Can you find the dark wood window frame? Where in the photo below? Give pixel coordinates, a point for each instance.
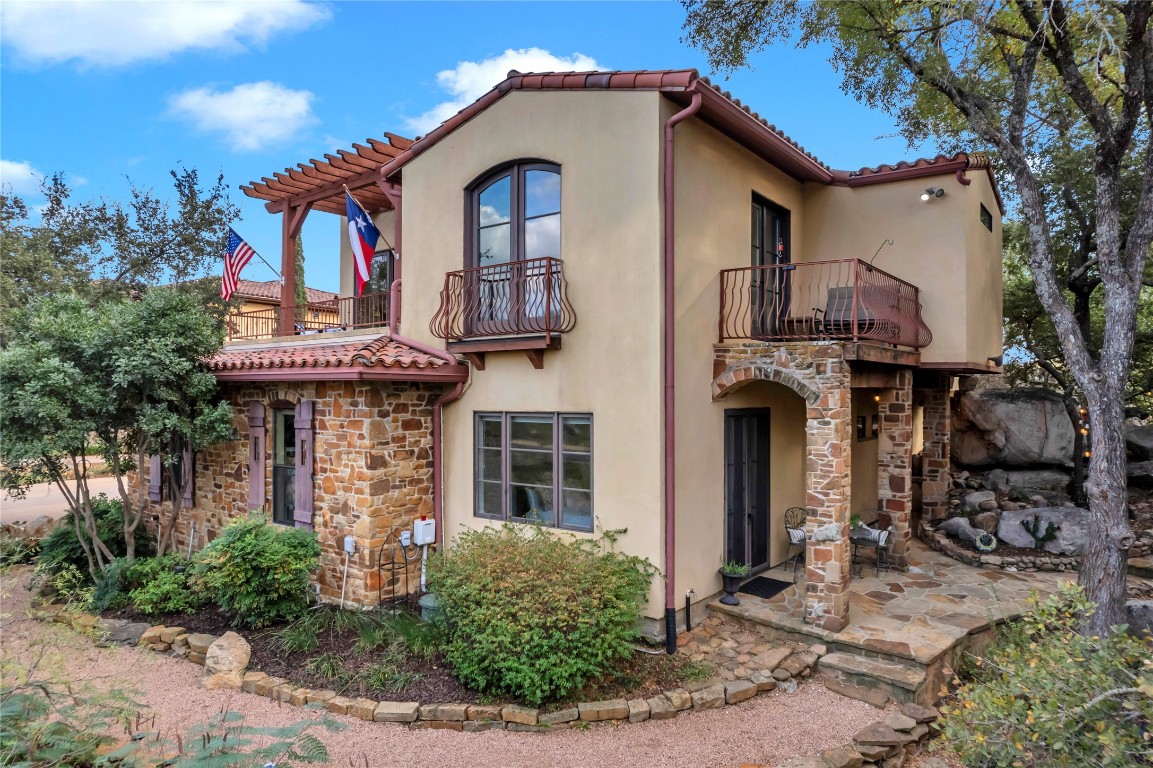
(516, 170)
(558, 457)
(283, 475)
(769, 254)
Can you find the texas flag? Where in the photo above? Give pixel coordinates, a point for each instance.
(362, 236)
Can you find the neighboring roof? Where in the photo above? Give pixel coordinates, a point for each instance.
(322, 182)
(270, 290)
(718, 108)
(364, 356)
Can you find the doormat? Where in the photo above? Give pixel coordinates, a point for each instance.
(763, 586)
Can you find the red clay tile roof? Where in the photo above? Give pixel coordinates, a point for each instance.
(921, 167)
(719, 108)
(270, 290)
(341, 358)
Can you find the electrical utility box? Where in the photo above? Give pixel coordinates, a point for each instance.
(423, 532)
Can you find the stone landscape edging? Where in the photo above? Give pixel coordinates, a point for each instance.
(1043, 561)
(180, 643)
(887, 742)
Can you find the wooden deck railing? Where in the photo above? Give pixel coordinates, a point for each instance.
(342, 314)
(512, 299)
(844, 299)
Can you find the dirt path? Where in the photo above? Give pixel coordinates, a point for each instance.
(766, 730)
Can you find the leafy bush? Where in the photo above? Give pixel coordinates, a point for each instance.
(257, 572)
(110, 592)
(156, 586)
(16, 550)
(535, 616)
(61, 547)
(68, 584)
(1047, 695)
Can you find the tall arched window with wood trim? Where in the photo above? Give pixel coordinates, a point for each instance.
(513, 247)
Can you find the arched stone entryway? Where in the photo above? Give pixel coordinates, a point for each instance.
(818, 373)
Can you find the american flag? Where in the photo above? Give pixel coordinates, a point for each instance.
(239, 254)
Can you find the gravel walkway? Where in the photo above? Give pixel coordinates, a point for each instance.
(768, 729)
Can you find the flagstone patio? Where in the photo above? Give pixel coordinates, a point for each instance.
(924, 618)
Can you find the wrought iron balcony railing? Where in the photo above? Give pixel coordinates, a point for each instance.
(517, 298)
(342, 314)
(844, 299)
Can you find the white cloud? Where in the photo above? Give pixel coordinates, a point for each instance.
(19, 178)
(251, 115)
(469, 80)
(116, 33)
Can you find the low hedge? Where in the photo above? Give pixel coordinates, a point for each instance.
(535, 615)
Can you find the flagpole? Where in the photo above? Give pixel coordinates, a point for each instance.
(369, 215)
(257, 254)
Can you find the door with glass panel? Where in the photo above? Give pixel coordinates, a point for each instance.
(514, 286)
(284, 467)
(771, 288)
(747, 487)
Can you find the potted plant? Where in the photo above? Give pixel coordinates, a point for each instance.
(731, 574)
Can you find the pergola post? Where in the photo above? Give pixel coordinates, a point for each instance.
(291, 224)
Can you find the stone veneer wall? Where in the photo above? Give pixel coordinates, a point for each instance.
(894, 463)
(373, 475)
(818, 372)
(935, 456)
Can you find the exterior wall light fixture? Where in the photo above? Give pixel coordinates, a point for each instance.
(932, 192)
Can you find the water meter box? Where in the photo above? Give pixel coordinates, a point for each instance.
(423, 532)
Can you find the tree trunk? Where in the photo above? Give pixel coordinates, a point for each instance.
(1077, 484)
(1106, 557)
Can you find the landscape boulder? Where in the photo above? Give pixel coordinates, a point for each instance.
(1139, 442)
(1072, 522)
(1029, 480)
(960, 529)
(986, 521)
(1140, 474)
(1011, 428)
(1140, 617)
(225, 662)
(972, 502)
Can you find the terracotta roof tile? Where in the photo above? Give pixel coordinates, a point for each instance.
(358, 353)
(270, 289)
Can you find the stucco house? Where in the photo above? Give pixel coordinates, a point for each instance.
(617, 300)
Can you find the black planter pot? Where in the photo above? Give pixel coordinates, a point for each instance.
(731, 583)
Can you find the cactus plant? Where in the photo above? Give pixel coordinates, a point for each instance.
(1035, 530)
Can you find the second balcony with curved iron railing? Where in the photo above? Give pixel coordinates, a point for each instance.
(516, 298)
(840, 299)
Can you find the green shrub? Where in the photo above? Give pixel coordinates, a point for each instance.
(156, 586)
(110, 593)
(16, 550)
(61, 547)
(533, 615)
(257, 572)
(1046, 695)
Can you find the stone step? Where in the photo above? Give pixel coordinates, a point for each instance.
(874, 680)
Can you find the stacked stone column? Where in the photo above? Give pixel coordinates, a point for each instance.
(895, 463)
(828, 456)
(935, 455)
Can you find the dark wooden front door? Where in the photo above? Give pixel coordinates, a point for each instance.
(747, 487)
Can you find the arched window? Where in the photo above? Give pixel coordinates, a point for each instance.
(514, 215)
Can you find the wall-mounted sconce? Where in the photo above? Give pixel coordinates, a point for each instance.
(998, 361)
(932, 192)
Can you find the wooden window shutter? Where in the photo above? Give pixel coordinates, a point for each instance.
(188, 467)
(256, 455)
(154, 477)
(304, 446)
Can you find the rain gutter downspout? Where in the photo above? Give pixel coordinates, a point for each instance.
(668, 343)
(392, 191)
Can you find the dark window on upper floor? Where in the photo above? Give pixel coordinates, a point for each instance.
(514, 214)
(770, 234)
(986, 218)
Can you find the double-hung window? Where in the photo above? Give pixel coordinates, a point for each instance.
(535, 467)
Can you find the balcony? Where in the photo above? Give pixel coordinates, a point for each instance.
(845, 300)
(519, 305)
(342, 314)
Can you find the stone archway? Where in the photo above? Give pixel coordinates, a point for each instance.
(818, 372)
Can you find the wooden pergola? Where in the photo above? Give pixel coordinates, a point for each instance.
(319, 185)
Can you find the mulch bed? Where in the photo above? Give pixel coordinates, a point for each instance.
(640, 676)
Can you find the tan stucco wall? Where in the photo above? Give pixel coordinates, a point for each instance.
(864, 466)
(607, 146)
(940, 246)
(715, 180)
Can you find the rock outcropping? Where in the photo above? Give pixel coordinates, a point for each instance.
(1011, 428)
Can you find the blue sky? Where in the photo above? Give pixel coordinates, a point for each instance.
(105, 91)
